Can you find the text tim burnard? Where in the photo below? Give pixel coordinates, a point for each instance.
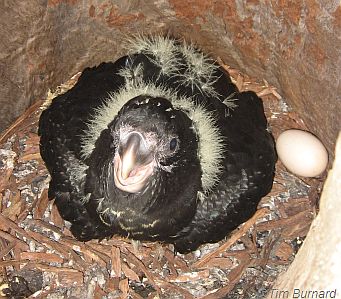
(299, 293)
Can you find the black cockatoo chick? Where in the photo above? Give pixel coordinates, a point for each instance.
(159, 145)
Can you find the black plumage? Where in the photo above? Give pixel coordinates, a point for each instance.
(159, 145)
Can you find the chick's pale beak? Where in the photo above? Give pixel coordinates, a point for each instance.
(133, 164)
(129, 156)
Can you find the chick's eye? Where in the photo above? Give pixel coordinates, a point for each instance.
(172, 144)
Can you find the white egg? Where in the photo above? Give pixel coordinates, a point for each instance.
(302, 153)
